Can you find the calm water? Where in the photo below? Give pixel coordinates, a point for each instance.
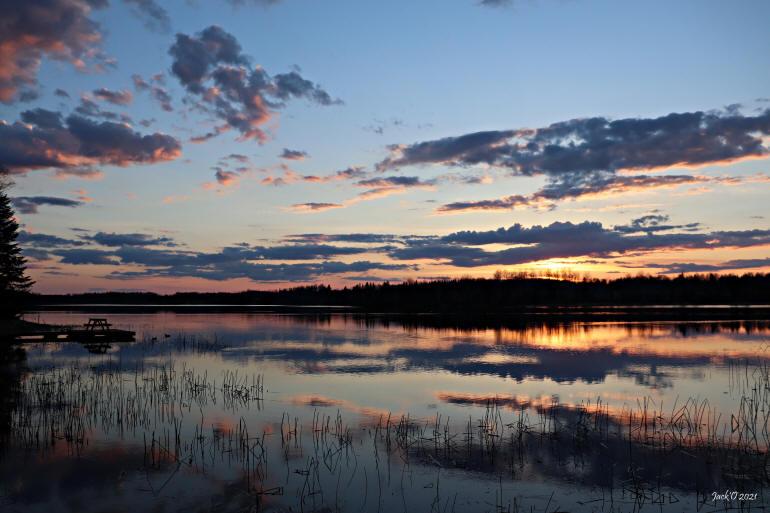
(267, 412)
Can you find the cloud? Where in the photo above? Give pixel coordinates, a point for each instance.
(85, 256)
(265, 3)
(291, 85)
(237, 157)
(474, 148)
(594, 184)
(232, 262)
(315, 207)
(495, 3)
(306, 257)
(223, 82)
(121, 97)
(44, 240)
(128, 239)
(379, 126)
(174, 198)
(264, 272)
(581, 157)
(301, 252)
(377, 187)
(42, 118)
(600, 144)
(218, 130)
(654, 223)
(564, 240)
(78, 142)
(153, 16)
(395, 181)
(365, 238)
(90, 108)
(83, 173)
(575, 185)
(83, 196)
(30, 204)
(226, 178)
(289, 176)
(33, 29)
(156, 88)
(350, 173)
(504, 203)
(387, 186)
(293, 154)
(730, 265)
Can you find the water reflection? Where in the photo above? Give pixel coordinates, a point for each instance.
(298, 411)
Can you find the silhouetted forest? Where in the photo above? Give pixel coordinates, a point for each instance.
(504, 293)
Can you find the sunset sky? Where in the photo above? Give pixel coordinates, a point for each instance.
(233, 144)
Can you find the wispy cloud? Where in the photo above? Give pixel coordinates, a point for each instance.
(121, 97)
(315, 207)
(599, 185)
(156, 87)
(153, 16)
(729, 265)
(31, 204)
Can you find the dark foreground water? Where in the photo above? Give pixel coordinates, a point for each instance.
(268, 412)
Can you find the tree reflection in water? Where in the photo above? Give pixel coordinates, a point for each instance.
(302, 414)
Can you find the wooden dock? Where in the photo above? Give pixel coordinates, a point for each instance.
(96, 330)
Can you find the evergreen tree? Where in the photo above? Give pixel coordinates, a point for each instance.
(14, 283)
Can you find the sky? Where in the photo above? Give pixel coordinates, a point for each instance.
(224, 145)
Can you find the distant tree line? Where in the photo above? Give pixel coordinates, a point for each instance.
(505, 292)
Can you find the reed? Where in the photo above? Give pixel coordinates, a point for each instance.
(641, 455)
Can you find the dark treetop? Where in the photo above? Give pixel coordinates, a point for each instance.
(14, 284)
(508, 293)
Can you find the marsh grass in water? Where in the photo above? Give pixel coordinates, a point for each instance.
(221, 439)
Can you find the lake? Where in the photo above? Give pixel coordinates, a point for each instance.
(238, 411)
